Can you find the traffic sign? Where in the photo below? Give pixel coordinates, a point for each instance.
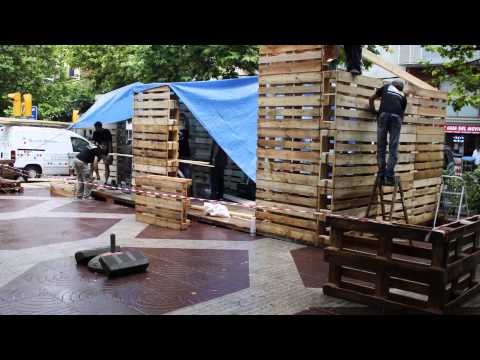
(34, 112)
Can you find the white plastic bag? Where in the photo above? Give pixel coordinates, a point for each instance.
(217, 210)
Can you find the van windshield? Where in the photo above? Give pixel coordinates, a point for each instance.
(78, 144)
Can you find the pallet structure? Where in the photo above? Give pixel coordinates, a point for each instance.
(10, 186)
(403, 266)
(155, 133)
(164, 211)
(233, 177)
(317, 145)
(200, 143)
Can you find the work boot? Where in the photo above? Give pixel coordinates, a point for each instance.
(389, 181)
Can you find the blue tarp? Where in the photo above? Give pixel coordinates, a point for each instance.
(227, 109)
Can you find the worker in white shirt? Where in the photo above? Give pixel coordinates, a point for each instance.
(476, 157)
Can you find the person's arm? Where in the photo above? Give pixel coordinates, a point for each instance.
(371, 99)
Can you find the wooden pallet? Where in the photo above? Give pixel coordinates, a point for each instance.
(403, 266)
(62, 189)
(155, 133)
(10, 186)
(162, 211)
(290, 142)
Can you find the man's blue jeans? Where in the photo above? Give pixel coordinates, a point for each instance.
(391, 124)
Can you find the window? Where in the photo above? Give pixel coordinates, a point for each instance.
(78, 144)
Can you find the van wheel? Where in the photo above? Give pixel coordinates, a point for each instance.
(33, 171)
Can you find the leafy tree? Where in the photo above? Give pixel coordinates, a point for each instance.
(41, 71)
(461, 69)
(113, 66)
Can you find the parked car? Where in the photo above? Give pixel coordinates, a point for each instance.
(40, 151)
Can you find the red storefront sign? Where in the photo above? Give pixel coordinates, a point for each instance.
(462, 129)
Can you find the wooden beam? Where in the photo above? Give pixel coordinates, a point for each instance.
(396, 70)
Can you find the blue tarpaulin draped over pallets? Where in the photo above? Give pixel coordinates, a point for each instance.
(227, 109)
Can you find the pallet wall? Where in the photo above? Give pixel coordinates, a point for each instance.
(317, 144)
(289, 141)
(155, 133)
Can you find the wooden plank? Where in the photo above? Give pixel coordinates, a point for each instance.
(290, 101)
(165, 121)
(304, 190)
(285, 198)
(396, 70)
(287, 220)
(288, 133)
(344, 76)
(156, 145)
(287, 209)
(291, 67)
(280, 49)
(277, 112)
(352, 125)
(308, 55)
(154, 220)
(288, 124)
(152, 96)
(303, 78)
(280, 166)
(299, 179)
(275, 90)
(159, 202)
(162, 213)
(288, 155)
(298, 145)
(264, 227)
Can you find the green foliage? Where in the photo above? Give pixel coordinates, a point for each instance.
(110, 66)
(472, 188)
(472, 184)
(461, 70)
(41, 71)
(366, 64)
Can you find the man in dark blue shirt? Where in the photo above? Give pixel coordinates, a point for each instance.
(389, 121)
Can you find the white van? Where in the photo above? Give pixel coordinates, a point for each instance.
(40, 150)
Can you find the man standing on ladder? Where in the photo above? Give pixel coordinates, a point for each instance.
(389, 120)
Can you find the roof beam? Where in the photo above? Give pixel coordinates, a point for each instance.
(396, 70)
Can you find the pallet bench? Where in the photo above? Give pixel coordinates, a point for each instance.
(402, 266)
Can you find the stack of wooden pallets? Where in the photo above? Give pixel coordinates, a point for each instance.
(289, 141)
(233, 177)
(317, 147)
(165, 211)
(155, 133)
(10, 186)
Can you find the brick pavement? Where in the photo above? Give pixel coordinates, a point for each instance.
(188, 275)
